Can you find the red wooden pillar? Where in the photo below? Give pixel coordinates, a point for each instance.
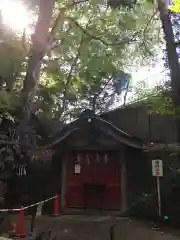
(63, 184)
(123, 181)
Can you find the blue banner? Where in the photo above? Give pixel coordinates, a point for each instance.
(123, 80)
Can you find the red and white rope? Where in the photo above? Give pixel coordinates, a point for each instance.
(26, 207)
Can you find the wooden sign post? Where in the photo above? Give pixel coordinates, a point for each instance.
(157, 171)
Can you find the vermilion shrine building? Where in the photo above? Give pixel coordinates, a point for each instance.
(107, 162)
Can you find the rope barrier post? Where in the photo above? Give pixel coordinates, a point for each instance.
(17, 230)
(20, 225)
(34, 212)
(39, 210)
(56, 205)
(112, 229)
(111, 232)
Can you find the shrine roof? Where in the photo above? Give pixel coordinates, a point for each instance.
(89, 122)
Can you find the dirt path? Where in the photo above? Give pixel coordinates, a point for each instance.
(97, 228)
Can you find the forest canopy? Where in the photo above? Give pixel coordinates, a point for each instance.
(92, 50)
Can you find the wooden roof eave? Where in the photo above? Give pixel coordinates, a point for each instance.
(117, 134)
(122, 139)
(106, 127)
(171, 147)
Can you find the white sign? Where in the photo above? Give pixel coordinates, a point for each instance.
(157, 168)
(77, 169)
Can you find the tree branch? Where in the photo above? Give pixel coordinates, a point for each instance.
(60, 16)
(144, 31)
(78, 2)
(71, 70)
(126, 40)
(70, 74)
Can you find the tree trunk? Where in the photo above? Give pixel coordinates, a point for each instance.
(172, 56)
(38, 50)
(171, 51)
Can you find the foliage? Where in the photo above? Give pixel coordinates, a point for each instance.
(160, 104)
(157, 100)
(175, 7)
(93, 44)
(175, 19)
(12, 54)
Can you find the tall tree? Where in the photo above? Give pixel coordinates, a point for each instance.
(172, 55)
(39, 47)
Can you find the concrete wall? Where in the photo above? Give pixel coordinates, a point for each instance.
(163, 128)
(144, 125)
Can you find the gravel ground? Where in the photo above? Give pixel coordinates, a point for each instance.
(97, 228)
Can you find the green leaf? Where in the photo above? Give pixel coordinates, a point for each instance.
(175, 7)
